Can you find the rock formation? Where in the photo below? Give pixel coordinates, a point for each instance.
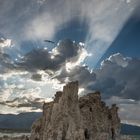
(70, 118)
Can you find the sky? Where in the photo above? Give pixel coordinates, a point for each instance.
(96, 43)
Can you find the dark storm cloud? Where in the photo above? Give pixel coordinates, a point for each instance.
(6, 63)
(80, 73)
(56, 61)
(36, 77)
(119, 76)
(36, 60)
(41, 59)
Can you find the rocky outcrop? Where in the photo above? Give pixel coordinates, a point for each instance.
(70, 118)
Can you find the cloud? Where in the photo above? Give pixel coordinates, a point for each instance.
(41, 27)
(36, 77)
(129, 110)
(128, 1)
(41, 70)
(6, 63)
(64, 64)
(24, 83)
(15, 110)
(119, 76)
(26, 102)
(118, 80)
(41, 19)
(130, 113)
(65, 52)
(80, 73)
(5, 43)
(20, 94)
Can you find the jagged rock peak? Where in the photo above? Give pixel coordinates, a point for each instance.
(70, 118)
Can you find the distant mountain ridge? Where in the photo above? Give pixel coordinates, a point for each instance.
(21, 121)
(130, 129)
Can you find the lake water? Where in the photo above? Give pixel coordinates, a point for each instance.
(13, 134)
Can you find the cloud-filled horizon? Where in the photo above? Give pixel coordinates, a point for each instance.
(29, 81)
(32, 70)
